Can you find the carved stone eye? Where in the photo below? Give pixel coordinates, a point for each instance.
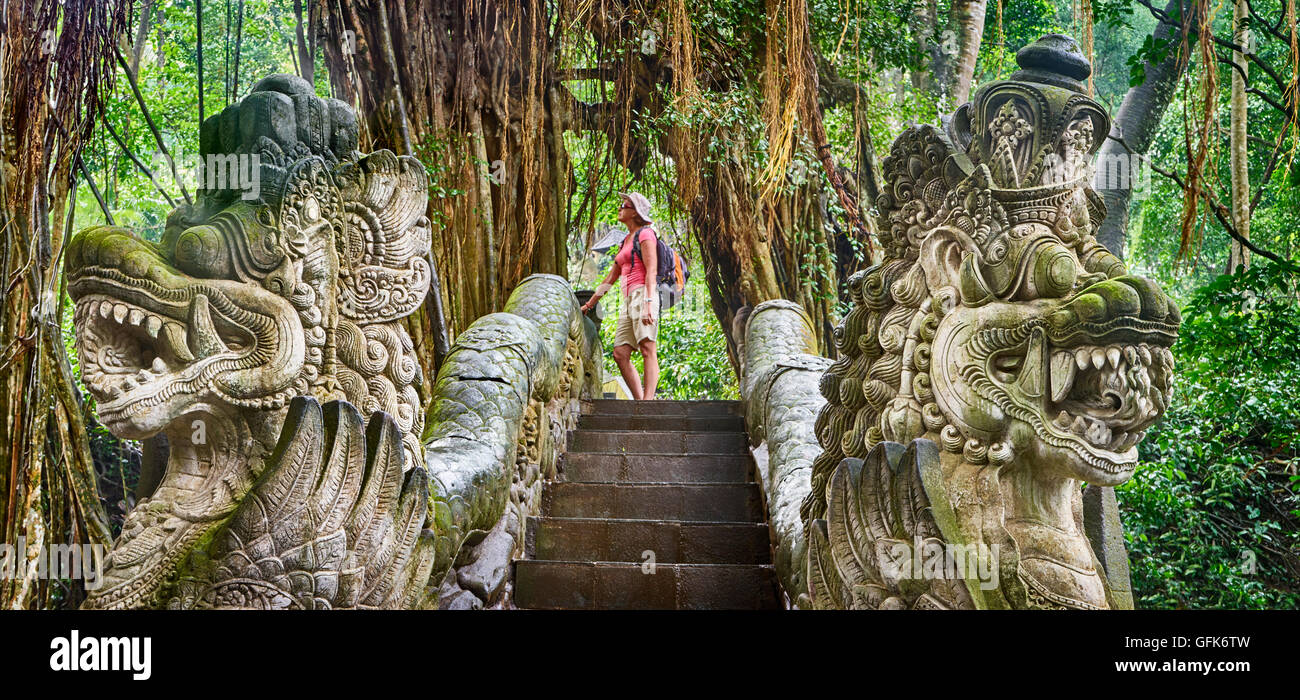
(200, 251)
(1055, 271)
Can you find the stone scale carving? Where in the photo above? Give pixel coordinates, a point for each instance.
(997, 358)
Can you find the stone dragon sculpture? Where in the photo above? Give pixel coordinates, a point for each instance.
(265, 300)
(995, 359)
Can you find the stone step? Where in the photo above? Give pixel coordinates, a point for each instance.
(658, 442)
(561, 585)
(631, 468)
(693, 502)
(666, 541)
(663, 408)
(632, 422)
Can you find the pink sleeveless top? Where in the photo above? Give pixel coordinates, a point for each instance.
(633, 269)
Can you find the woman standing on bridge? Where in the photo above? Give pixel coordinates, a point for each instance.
(637, 263)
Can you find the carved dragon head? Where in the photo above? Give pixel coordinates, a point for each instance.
(999, 328)
(288, 276)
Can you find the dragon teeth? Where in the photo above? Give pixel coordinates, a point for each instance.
(1117, 443)
(174, 334)
(1097, 433)
(202, 336)
(1115, 382)
(1128, 371)
(158, 365)
(152, 325)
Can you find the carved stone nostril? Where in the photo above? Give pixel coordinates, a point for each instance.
(1089, 307)
(138, 263)
(110, 255)
(1062, 319)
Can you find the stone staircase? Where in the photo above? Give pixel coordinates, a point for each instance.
(662, 486)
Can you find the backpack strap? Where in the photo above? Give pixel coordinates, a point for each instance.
(636, 241)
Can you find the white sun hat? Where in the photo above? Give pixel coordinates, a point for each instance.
(641, 204)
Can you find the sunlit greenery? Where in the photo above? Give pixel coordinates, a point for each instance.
(1213, 514)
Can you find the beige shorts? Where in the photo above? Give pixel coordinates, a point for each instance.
(631, 331)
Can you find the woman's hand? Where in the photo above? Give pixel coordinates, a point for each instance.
(648, 308)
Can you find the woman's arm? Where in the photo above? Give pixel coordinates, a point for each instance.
(614, 271)
(650, 258)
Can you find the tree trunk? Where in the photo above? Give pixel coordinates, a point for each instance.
(754, 249)
(1135, 125)
(305, 26)
(967, 18)
(1238, 139)
(141, 34)
(466, 88)
(924, 20)
(52, 54)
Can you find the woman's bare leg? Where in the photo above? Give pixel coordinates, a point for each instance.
(651, 368)
(623, 358)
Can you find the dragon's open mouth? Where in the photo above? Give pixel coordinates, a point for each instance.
(130, 353)
(1108, 395)
(1096, 398)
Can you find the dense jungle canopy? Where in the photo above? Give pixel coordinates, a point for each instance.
(756, 127)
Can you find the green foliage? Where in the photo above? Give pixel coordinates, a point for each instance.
(435, 152)
(168, 79)
(1022, 22)
(863, 36)
(693, 355)
(1213, 513)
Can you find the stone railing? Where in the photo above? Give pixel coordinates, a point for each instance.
(779, 387)
(504, 398)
